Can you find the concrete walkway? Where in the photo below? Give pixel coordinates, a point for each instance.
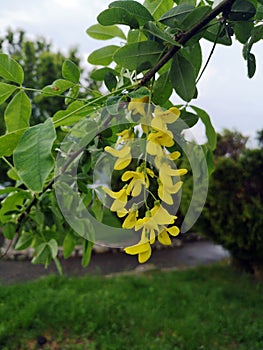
(190, 254)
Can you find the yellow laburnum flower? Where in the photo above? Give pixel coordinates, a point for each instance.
(131, 219)
(137, 105)
(165, 192)
(161, 216)
(143, 249)
(120, 199)
(162, 118)
(157, 140)
(137, 181)
(123, 154)
(166, 172)
(148, 226)
(164, 237)
(125, 135)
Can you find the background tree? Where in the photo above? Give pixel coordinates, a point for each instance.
(230, 144)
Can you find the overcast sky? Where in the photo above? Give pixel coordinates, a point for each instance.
(232, 100)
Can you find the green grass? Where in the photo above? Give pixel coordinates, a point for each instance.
(208, 308)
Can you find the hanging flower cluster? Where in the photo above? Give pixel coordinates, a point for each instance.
(135, 203)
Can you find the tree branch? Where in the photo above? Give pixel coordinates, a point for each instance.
(182, 38)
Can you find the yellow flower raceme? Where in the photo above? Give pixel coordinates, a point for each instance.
(137, 181)
(137, 105)
(157, 140)
(163, 236)
(120, 199)
(123, 155)
(165, 192)
(162, 118)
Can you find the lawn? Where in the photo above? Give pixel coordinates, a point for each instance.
(208, 308)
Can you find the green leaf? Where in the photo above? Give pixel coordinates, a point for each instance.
(139, 56)
(18, 112)
(211, 34)
(103, 56)
(58, 87)
(141, 13)
(10, 69)
(242, 31)
(24, 241)
(117, 16)
(210, 131)
(13, 204)
(9, 142)
(68, 245)
(32, 156)
(158, 7)
(70, 71)
(209, 159)
(86, 254)
(72, 94)
(110, 81)
(151, 28)
(193, 54)
(189, 118)
(75, 111)
(256, 34)
(251, 65)
(6, 91)
(241, 10)
(42, 254)
(53, 245)
(139, 93)
(176, 15)
(99, 74)
(135, 35)
(162, 89)
(182, 76)
(195, 16)
(9, 230)
(100, 32)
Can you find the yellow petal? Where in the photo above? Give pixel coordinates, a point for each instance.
(120, 153)
(165, 195)
(137, 188)
(174, 155)
(113, 194)
(122, 163)
(137, 248)
(130, 220)
(164, 238)
(118, 205)
(154, 148)
(144, 256)
(174, 230)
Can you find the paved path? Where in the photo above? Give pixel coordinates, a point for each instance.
(190, 254)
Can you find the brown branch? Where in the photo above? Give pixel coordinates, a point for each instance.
(182, 38)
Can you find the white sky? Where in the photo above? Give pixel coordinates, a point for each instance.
(232, 100)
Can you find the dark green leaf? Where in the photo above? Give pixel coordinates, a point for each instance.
(217, 32)
(117, 16)
(72, 94)
(152, 29)
(112, 105)
(135, 35)
(193, 54)
(99, 74)
(32, 156)
(176, 15)
(70, 71)
(242, 10)
(110, 81)
(251, 65)
(183, 77)
(100, 32)
(53, 246)
(18, 112)
(6, 91)
(162, 89)
(136, 9)
(210, 131)
(139, 93)
(259, 14)
(42, 254)
(103, 56)
(139, 56)
(257, 34)
(158, 7)
(242, 31)
(195, 16)
(10, 69)
(189, 118)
